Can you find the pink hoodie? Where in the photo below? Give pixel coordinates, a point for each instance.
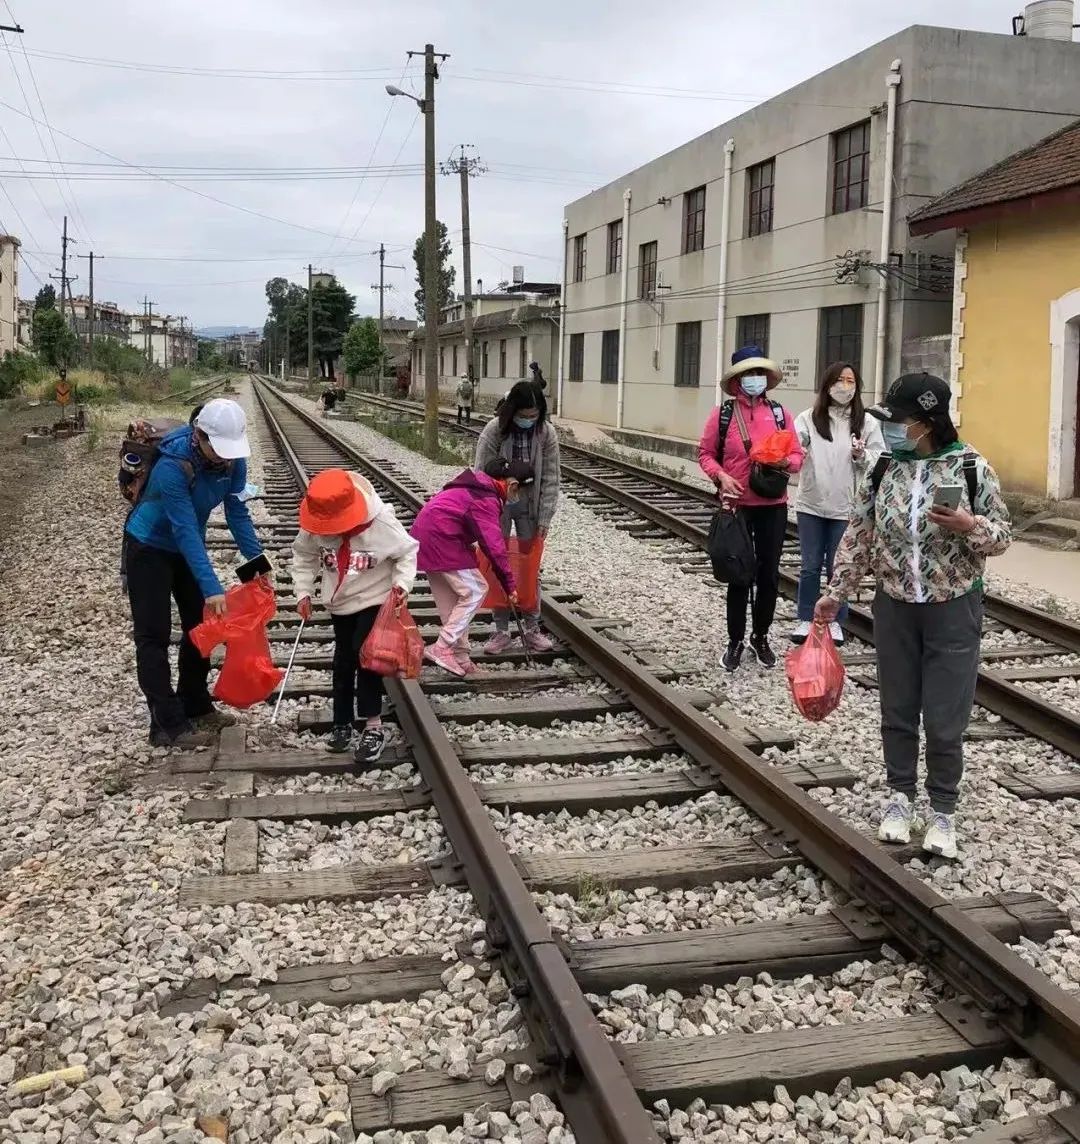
(463, 513)
(759, 424)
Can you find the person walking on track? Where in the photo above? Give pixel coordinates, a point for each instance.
(352, 547)
(465, 393)
(924, 522)
(521, 432)
(199, 467)
(746, 418)
(839, 441)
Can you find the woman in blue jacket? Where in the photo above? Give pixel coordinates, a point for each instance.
(198, 468)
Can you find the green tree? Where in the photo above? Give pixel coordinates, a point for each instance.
(54, 342)
(360, 351)
(18, 370)
(332, 315)
(447, 273)
(209, 356)
(45, 299)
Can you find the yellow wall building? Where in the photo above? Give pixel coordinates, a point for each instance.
(1016, 313)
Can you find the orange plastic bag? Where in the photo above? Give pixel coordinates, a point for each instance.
(394, 645)
(248, 675)
(773, 449)
(525, 558)
(815, 674)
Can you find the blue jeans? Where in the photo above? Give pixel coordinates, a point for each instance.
(819, 538)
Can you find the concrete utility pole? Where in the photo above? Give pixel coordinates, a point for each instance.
(90, 339)
(63, 279)
(382, 288)
(148, 327)
(431, 253)
(310, 328)
(465, 167)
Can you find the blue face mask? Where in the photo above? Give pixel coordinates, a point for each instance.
(754, 386)
(525, 422)
(897, 441)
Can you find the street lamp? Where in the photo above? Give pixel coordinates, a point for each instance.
(431, 262)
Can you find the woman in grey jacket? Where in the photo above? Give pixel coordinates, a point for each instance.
(520, 431)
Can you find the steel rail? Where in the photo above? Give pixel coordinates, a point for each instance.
(1041, 1018)
(592, 1087)
(1034, 621)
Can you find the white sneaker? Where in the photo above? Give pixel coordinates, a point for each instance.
(896, 821)
(940, 837)
(800, 632)
(837, 633)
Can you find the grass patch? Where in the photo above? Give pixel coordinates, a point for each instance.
(94, 436)
(607, 449)
(452, 449)
(595, 897)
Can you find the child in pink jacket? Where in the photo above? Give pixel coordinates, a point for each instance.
(465, 514)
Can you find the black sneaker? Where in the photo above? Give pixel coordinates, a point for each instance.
(764, 654)
(371, 746)
(733, 656)
(340, 740)
(187, 738)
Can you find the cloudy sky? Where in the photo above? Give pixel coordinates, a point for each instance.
(147, 113)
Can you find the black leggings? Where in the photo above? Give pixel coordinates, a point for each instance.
(352, 684)
(767, 525)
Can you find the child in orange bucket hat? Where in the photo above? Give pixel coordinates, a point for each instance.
(352, 548)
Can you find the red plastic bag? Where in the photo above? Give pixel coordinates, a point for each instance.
(525, 558)
(815, 674)
(394, 646)
(773, 449)
(248, 675)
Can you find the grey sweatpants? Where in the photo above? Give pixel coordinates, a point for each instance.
(928, 662)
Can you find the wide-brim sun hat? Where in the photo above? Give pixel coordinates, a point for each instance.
(750, 359)
(332, 504)
(225, 426)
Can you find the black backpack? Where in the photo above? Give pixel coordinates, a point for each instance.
(730, 549)
(727, 414)
(971, 476)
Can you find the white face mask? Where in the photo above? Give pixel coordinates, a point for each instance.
(754, 385)
(842, 394)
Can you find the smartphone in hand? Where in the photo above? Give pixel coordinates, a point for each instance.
(257, 566)
(947, 496)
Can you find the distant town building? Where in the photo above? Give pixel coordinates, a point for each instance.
(396, 335)
(244, 348)
(26, 324)
(9, 293)
(805, 177)
(165, 340)
(109, 320)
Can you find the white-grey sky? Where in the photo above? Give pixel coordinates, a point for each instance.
(511, 88)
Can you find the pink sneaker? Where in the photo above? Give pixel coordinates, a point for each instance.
(535, 640)
(498, 643)
(464, 660)
(442, 656)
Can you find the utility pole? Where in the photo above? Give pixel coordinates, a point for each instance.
(382, 288)
(63, 269)
(148, 326)
(91, 315)
(466, 166)
(310, 328)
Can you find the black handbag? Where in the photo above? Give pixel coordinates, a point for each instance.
(730, 549)
(767, 481)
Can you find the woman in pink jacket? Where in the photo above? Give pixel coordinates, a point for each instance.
(464, 514)
(732, 429)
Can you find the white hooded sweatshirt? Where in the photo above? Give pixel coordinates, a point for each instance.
(827, 478)
(381, 557)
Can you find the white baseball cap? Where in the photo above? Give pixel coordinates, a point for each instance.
(223, 421)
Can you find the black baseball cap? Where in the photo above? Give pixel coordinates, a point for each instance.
(503, 470)
(918, 395)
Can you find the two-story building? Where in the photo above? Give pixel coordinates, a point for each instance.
(511, 328)
(787, 225)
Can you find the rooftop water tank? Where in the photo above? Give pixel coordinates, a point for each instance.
(1049, 20)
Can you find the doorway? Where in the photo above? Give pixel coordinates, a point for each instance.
(1063, 470)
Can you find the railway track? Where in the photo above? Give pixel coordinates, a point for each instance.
(992, 1003)
(654, 506)
(199, 393)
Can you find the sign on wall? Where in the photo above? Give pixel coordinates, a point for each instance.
(790, 366)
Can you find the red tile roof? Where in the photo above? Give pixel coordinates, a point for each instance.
(1052, 164)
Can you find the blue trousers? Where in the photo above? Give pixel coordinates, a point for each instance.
(819, 538)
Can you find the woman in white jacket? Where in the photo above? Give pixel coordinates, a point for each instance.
(840, 442)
